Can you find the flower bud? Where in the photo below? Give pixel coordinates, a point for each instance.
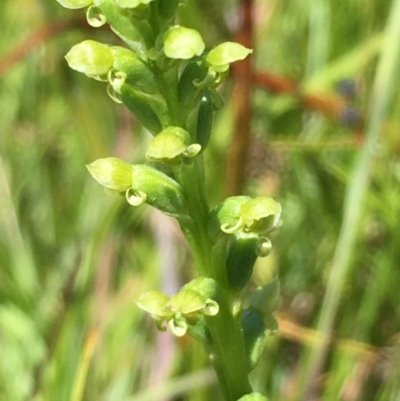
(170, 145)
(74, 4)
(91, 58)
(113, 173)
(182, 43)
(222, 55)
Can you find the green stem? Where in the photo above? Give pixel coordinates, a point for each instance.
(169, 81)
(228, 352)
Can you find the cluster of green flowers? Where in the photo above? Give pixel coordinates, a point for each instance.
(134, 75)
(135, 78)
(169, 81)
(185, 309)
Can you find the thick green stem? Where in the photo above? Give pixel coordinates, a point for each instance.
(228, 352)
(168, 82)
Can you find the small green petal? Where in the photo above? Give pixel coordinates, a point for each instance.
(178, 326)
(74, 4)
(187, 302)
(131, 3)
(170, 144)
(95, 18)
(211, 308)
(182, 43)
(113, 173)
(154, 302)
(206, 286)
(228, 52)
(264, 247)
(92, 58)
(260, 214)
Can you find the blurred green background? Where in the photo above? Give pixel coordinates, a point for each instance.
(73, 260)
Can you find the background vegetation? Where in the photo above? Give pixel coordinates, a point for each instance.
(73, 260)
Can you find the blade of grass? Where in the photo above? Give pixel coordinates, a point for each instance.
(180, 385)
(382, 94)
(80, 380)
(346, 65)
